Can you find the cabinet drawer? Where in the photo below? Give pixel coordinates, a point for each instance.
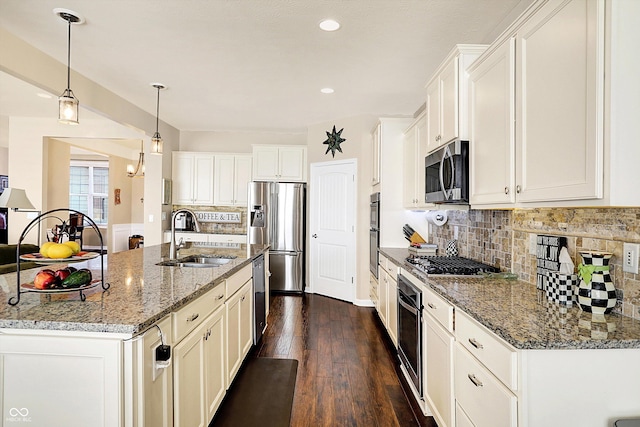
(440, 309)
(236, 281)
(485, 400)
(191, 315)
(490, 350)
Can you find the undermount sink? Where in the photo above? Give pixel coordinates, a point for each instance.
(198, 261)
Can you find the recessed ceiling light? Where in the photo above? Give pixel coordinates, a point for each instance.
(326, 90)
(44, 95)
(329, 25)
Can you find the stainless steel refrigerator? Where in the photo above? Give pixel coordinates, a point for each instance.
(277, 218)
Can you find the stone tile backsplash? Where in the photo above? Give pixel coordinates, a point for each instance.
(502, 238)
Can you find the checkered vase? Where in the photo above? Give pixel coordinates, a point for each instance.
(452, 248)
(597, 295)
(561, 287)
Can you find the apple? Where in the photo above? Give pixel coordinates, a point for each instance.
(62, 274)
(44, 279)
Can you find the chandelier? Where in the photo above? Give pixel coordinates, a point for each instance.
(139, 169)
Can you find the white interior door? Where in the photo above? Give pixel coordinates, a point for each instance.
(332, 210)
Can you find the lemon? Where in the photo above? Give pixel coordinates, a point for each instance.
(58, 251)
(45, 248)
(75, 247)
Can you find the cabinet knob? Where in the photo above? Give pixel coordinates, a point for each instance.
(518, 189)
(506, 190)
(315, 236)
(219, 297)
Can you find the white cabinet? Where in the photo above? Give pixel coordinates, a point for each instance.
(239, 337)
(438, 358)
(193, 178)
(232, 176)
(414, 149)
(447, 94)
(373, 290)
(492, 128)
(388, 297)
(280, 163)
(375, 155)
(538, 102)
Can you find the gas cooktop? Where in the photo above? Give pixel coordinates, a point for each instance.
(450, 265)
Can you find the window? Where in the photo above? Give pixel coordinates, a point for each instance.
(89, 189)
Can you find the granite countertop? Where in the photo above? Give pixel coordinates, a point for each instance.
(521, 314)
(141, 292)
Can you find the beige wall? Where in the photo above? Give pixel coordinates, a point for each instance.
(357, 146)
(236, 141)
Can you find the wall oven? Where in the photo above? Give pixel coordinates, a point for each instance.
(374, 233)
(447, 174)
(410, 330)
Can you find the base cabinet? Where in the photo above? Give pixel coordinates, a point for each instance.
(239, 322)
(438, 381)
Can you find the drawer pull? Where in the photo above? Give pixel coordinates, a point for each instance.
(193, 317)
(431, 306)
(219, 297)
(474, 380)
(475, 343)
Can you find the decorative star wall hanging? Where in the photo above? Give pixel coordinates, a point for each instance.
(333, 141)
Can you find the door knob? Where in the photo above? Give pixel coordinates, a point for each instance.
(315, 236)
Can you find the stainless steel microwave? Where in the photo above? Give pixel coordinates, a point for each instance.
(447, 174)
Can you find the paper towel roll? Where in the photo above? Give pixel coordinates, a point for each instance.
(438, 218)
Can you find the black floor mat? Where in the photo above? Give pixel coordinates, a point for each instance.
(261, 395)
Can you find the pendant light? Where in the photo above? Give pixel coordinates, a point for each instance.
(67, 103)
(139, 169)
(156, 140)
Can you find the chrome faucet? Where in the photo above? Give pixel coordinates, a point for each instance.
(173, 248)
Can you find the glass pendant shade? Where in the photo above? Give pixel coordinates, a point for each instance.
(68, 108)
(156, 144)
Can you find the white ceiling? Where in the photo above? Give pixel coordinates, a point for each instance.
(254, 64)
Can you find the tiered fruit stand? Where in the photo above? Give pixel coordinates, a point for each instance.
(63, 229)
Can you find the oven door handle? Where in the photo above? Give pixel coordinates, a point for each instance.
(411, 308)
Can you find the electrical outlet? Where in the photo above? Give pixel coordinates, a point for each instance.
(630, 253)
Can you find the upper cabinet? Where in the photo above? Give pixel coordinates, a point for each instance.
(375, 155)
(232, 176)
(192, 175)
(541, 120)
(447, 95)
(280, 163)
(414, 152)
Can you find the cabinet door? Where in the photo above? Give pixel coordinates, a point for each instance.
(189, 380)
(392, 312)
(492, 113)
(224, 184)
(265, 163)
(182, 176)
(203, 179)
(409, 168)
(293, 163)
(242, 177)
(383, 287)
(233, 309)
(420, 154)
(560, 82)
(449, 91)
(214, 350)
(433, 115)
(246, 319)
(375, 156)
(439, 370)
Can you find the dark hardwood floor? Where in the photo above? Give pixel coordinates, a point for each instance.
(347, 372)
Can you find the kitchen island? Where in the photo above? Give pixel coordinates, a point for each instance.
(95, 362)
(511, 357)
